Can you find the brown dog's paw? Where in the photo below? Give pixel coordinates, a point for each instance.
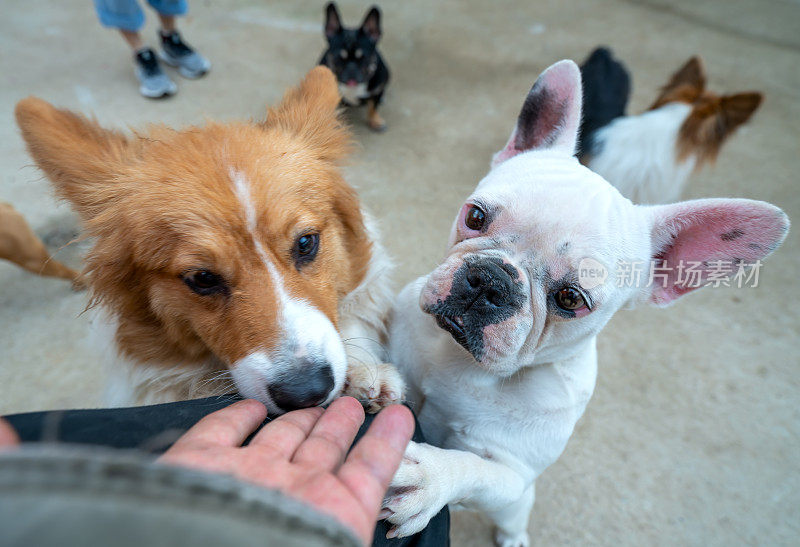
(374, 385)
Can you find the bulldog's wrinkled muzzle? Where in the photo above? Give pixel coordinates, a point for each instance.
(485, 291)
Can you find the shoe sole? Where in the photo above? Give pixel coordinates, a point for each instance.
(159, 95)
(182, 70)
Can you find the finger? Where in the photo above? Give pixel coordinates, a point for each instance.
(327, 444)
(227, 427)
(371, 464)
(8, 436)
(283, 435)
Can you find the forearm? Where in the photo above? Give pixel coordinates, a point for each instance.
(477, 482)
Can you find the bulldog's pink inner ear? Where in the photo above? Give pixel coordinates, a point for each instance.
(706, 235)
(551, 114)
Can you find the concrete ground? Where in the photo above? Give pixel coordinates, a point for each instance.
(692, 435)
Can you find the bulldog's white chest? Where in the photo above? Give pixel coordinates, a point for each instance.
(524, 421)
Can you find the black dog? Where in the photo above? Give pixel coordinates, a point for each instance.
(353, 56)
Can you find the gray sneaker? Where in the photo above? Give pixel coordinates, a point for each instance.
(177, 53)
(153, 83)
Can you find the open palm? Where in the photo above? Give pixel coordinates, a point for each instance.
(304, 454)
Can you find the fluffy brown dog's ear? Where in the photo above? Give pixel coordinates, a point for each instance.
(685, 86)
(738, 108)
(76, 154)
(356, 238)
(310, 111)
(710, 123)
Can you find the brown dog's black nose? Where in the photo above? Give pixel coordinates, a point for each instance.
(307, 385)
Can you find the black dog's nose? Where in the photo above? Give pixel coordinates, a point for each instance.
(488, 282)
(309, 384)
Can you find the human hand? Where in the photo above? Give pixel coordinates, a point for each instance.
(8, 437)
(302, 454)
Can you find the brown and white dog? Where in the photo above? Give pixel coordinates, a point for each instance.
(227, 255)
(648, 157)
(20, 245)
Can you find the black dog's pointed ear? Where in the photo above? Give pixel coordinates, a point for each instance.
(333, 23)
(372, 24)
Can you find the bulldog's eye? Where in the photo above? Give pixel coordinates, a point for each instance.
(359, 53)
(305, 249)
(205, 282)
(569, 299)
(475, 218)
(343, 53)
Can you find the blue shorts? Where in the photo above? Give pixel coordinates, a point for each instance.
(128, 14)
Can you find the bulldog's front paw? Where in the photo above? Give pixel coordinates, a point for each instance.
(375, 385)
(504, 539)
(417, 492)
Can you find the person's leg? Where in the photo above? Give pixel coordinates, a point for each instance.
(133, 39)
(150, 428)
(154, 428)
(174, 50)
(128, 18)
(167, 23)
(123, 15)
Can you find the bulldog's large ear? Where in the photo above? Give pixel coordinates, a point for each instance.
(550, 116)
(80, 158)
(696, 242)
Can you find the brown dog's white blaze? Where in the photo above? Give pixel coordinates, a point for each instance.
(308, 339)
(162, 204)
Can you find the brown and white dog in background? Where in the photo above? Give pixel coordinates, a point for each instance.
(20, 245)
(649, 157)
(231, 256)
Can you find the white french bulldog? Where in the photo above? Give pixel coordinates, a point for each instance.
(498, 343)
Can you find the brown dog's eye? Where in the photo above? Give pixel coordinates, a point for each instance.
(569, 299)
(205, 282)
(305, 249)
(475, 218)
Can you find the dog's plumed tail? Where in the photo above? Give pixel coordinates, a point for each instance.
(75, 153)
(606, 90)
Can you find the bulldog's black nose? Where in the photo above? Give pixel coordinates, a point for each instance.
(306, 385)
(487, 285)
(485, 291)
